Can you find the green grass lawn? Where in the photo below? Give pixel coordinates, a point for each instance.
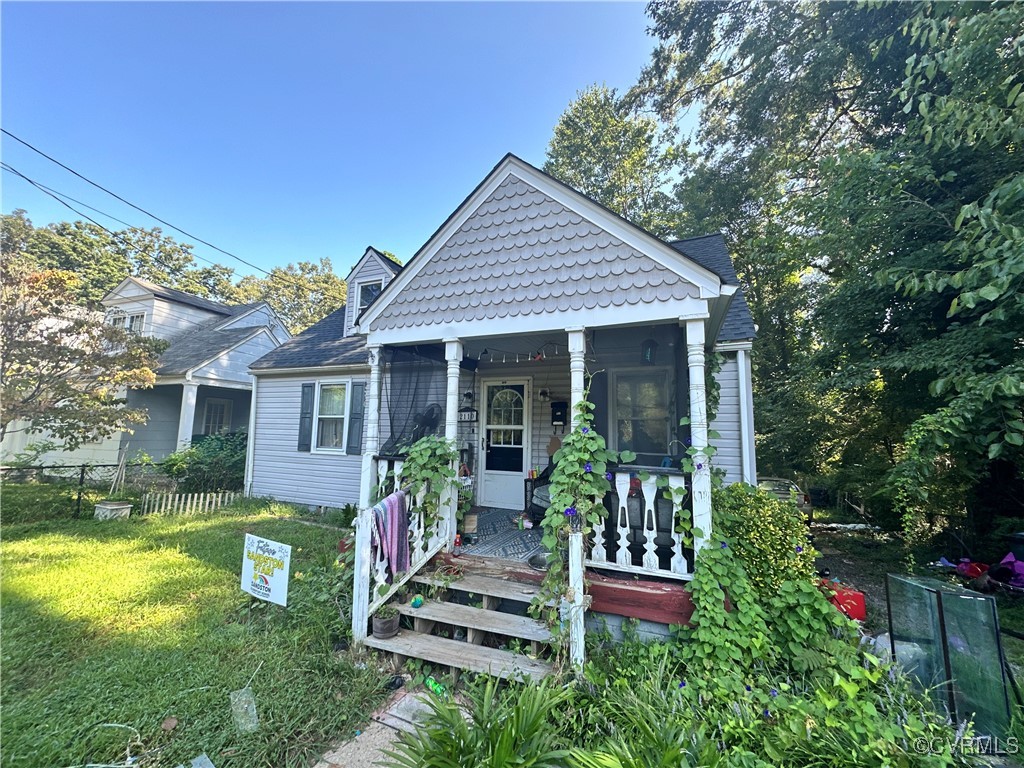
(111, 627)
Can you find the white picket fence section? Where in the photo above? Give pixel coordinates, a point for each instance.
(186, 503)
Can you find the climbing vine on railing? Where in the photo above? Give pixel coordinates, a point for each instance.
(430, 467)
(579, 482)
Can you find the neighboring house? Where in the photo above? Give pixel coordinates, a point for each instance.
(488, 336)
(203, 385)
(309, 395)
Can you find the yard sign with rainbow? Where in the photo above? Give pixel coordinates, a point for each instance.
(265, 569)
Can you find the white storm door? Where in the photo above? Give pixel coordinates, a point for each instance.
(505, 443)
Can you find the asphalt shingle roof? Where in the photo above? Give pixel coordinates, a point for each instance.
(323, 344)
(173, 294)
(195, 348)
(394, 266)
(710, 252)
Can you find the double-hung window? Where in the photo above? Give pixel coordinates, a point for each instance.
(131, 323)
(368, 292)
(331, 416)
(331, 410)
(217, 416)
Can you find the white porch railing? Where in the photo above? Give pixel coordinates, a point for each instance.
(641, 533)
(426, 539)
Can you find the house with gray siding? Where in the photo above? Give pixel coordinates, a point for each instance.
(306, 441)
(527, 300)
(203, 385)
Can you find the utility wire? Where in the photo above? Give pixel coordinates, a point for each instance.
(133, 205)
(281, 275)
(44, 188)
(57, 196)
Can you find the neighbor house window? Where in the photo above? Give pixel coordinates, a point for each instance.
(368, 292)
(217, 416)
(331, 404)
(641, 412)
(131, 323)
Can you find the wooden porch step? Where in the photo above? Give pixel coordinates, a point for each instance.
(507, 624)
(483, 585)
(462, 655)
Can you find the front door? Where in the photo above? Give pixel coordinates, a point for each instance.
(505, 443)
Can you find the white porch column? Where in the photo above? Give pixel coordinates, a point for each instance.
(747, 454)
(364, 520)
(453, 357)
(575, 602)
(368, 475)
(575, 598)
(577, 368)
(250, 445)
(187, 415)
(699, 431)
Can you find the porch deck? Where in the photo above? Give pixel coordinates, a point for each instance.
(498, 535)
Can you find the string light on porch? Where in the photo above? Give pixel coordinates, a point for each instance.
(545, 350)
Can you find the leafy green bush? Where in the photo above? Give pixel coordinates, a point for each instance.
(769, 536)
(217, 463)
(429, 469)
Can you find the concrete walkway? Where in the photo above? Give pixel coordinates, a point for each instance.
(366, 750)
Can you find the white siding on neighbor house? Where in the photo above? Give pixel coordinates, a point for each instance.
(171, 318)
(257, 317)
(164, 319)
(727, 422)
(142, 304)
(280, 470)
(103, 451)
(370, 271)
(234, 365)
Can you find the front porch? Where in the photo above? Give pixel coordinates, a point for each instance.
(506, 412)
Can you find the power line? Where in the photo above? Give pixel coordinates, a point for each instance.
(57, 196)
(60, 197)
(133, 205)
(45, 188)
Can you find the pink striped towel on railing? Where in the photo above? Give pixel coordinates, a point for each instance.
(391, 526)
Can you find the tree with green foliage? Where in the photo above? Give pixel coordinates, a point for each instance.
(301, 295)
(102, 259)
(63, 369)
(864, 161)
(615, 157)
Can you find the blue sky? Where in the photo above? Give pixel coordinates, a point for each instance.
(292, 131)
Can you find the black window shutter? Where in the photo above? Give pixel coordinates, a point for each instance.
(306, 418)
(356, 418)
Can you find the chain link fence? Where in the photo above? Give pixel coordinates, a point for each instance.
(61, 491)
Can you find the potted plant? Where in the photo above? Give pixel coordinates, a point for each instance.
(385, 621)
(113, 507)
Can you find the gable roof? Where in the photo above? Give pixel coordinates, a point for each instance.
(393, 266)
(321, 345)
(711, 251)
(564, 205)
(173, 294)
(202, 345)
